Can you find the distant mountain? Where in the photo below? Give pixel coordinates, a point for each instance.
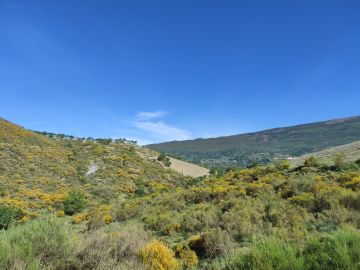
(265, 146)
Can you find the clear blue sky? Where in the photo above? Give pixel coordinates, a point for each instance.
(162, 70)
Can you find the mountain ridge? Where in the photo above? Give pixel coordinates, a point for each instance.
(336, 120)
(263, 146)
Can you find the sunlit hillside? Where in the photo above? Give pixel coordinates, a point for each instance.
(349, 152)
(37, 171)
(74, 203)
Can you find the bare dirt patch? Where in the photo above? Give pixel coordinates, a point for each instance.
(188, 169)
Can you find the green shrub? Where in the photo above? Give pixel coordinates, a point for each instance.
(200, 218)
(7, 215)
(161, 157)
(351, 201)
(74, 203)
(167, 162)
(245, 219)
(311, 162)
(40, 244)
(305, 200)
(267, 254)
(339, 250)
(339, 160)
(211, 244)
(164, 159)
(283, 165)
(126, 210)
(158, 221)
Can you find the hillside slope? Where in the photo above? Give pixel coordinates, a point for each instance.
(23, 152)
(35, 168)
(350, 151)
(71, 203)
(265, 146)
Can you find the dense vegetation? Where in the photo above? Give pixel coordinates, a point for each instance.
(265, 146)
(122, 209)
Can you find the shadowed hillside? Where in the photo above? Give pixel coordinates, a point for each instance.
(265, 146)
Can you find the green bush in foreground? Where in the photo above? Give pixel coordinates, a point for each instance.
(48, 244)
(7, 214)
(51, 244)
(338, 250)
(40, 244)
(268, 254)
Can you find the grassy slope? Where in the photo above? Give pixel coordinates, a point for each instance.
(351, 152)
(264, 146)
(187, 168)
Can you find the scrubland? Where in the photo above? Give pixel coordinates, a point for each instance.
(134, 213)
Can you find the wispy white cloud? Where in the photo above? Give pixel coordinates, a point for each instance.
(145, 127)
(154, 129)
(164, 130)
(143, 116)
